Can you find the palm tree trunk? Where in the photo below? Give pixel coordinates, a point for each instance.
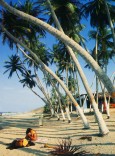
(57, 116)
(105, 101)
(33, 91)
(39, 96)
(96, 58)
(71, 108)
(68, 114)
(38, 61)
(104, 78)
(46, 95)
(59, 99)
(102, 126)
(63, 115)
(66, 76)
(40, 86)
(110, 23)
(78, 87)
(78, 90)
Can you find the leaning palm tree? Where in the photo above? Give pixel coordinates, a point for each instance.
(103, 50)
(25, 31)
(104, 78)
(19, 27)
(15, 66)
(100, 120)
(43, 66)
(31, 63)
(68, 12)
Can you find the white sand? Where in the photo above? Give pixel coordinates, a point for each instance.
(52, 131)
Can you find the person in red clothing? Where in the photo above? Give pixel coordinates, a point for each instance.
(31, 134)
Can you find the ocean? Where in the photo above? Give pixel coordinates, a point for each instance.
(8, 113)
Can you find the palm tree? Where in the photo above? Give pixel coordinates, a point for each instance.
(28, 79)
(105, 46)
(31, 63)
(60, 99)
(19, 27)
(14, 65)
(101, 14)
(40, 50)
(43, 66)
(62, 59)
(102, 51)
(67, 11)
(104, 78)
(25, 31)
(100, 120)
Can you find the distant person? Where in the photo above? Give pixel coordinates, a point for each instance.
(31, 134)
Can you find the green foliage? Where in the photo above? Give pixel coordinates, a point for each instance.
(13, 65)
(97, 11)
(18, 27)
(105, 50)
(46, 109)
(40, 50)
(28, 79)
(67, 12)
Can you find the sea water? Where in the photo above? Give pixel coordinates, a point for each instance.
(8, 113)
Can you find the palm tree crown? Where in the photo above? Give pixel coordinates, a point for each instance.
(28, 79)
(19, 27)
(98, 15)
(13, 65)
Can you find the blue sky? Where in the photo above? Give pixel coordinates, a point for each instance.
(15, 98)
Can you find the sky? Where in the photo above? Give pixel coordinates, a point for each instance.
(15, 98)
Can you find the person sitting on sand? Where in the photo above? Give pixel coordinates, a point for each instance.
(31, 134)
(19, 143)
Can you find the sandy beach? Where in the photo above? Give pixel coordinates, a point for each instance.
(53, 131)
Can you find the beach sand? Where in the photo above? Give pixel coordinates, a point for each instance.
(54, 131)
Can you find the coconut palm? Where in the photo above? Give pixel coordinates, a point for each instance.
(14, 65)
(104, 78)
(61, 57)
(24, 30)
(89, 93)
(19, 27)
(43, 66)
(105, 51)
(40, 50)
(84, 80)
(101, 14)
(63, 63)
(28, 79)
(39, 84)
(67, 11)
(105, 46)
